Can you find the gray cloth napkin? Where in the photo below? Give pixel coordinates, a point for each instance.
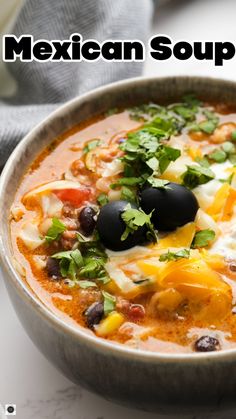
(41, 87)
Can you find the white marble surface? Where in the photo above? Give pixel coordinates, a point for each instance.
(26, 378)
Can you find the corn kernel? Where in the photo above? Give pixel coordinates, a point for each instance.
(109, 325)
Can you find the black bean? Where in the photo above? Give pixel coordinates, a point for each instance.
(53, 268)
(86, 219)
(207, 344)
(94, 314)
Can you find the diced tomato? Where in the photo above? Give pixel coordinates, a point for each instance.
(136, 312)
(75, 197)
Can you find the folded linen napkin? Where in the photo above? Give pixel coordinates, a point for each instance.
(41, 87)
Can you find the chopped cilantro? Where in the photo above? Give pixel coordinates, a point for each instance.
(185, 111)
(109, 302)
(55, 231)
(93, 268)
(86, 284)
(203, 238)
(207, 126)
(184, 253)
(128, 194)
(145, 153)
(153, 163)
(91, 145)
(232, 158)
(160, 117)
(134, 219)
(166, 155)
(203, 161)
(228, 147)
(196, 175)
(226, 151)
(82, 239)
(70, 262)
(127, 181)
(88, 262)
(218, 155)
(233, 135)
(158, 183)
(102, 199)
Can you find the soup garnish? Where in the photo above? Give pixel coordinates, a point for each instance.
(125, 226)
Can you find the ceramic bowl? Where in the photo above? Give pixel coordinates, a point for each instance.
(151, 381)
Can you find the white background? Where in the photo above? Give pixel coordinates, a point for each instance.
(26, 378)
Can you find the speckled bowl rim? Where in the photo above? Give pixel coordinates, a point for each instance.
(27, 294)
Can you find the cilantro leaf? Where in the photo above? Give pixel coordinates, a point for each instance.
(158, 183)
(86, 284)
(203, 238)
(87, 263)
(91, 145)
(207, 126)
(228, 147)
(196, 175)
(102, 199)
(166, 155)
(128, 194)
(233, 135)
(218, 155)
(145, 154)
(186, 112)
(184, 253)
(135, 218)
(127, 181)
(93, 268)
(153, 163)
(203, 161)
(55, 231)
(70, 262)
(109, 302)
(226, 151)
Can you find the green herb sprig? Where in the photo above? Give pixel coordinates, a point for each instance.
(203, 238)
(55, 231)
(135, 218)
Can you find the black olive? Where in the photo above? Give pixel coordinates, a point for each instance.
(94, 314)
(86, 219)
(172, 207)
(207, 344)
(53, 268)
(110, 227)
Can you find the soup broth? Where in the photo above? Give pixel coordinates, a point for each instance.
(125, 226)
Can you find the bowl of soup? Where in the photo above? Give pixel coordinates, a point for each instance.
(117, 240)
